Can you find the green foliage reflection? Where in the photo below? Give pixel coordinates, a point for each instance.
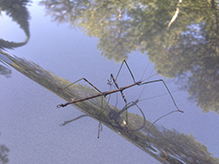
(180, 37)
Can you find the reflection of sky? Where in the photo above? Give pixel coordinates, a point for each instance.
(30, 119)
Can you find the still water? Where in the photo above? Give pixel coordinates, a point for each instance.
(71, 44)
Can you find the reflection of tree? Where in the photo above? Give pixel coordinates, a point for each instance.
(180, 37)
(190, 53)
(5, 71)
(16, 9)
(3, 154)
(166, 146)
(106, 20)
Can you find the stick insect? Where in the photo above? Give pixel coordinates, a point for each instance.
(113, 81)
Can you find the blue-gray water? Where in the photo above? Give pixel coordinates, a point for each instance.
(29, 120)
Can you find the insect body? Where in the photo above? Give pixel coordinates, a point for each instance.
(116, 115)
